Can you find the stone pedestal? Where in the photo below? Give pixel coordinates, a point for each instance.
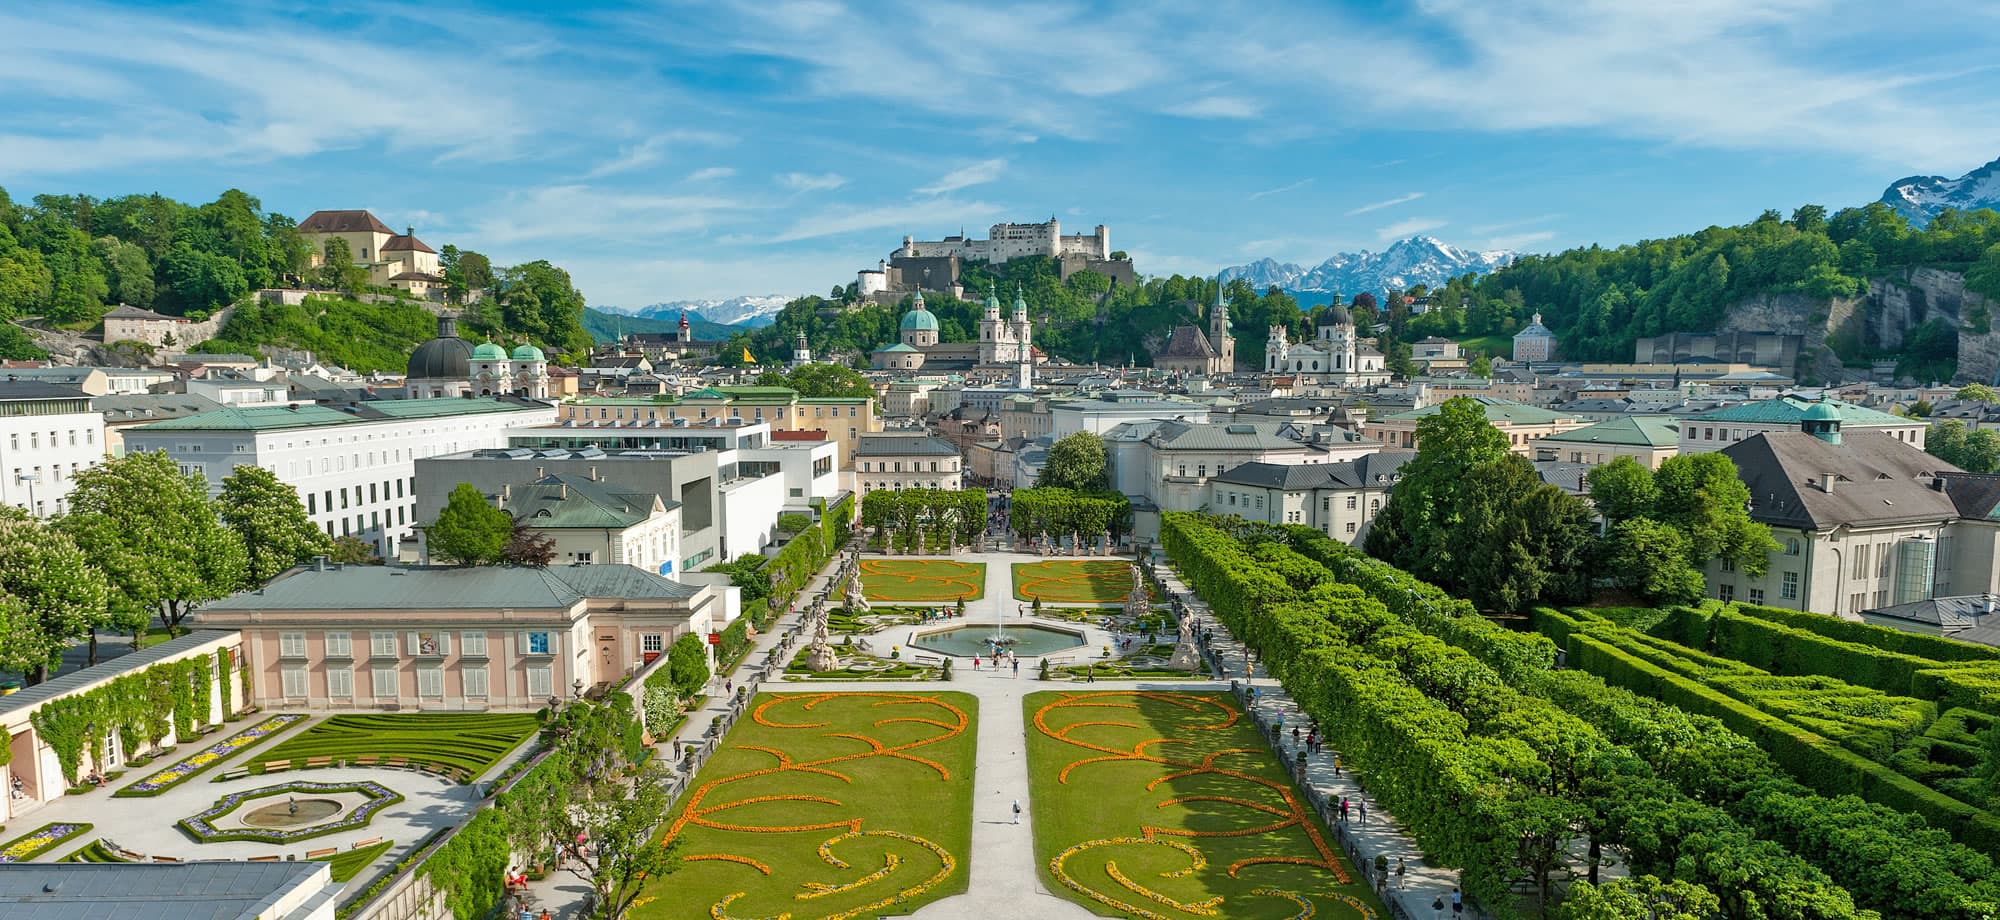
(1185, 658)
(820, 658)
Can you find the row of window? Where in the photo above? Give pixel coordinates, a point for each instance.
(385, 683)
(618, 412)
(383, 643)
(916, 466)
(35, 439)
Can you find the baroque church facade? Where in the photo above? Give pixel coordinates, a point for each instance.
(449, 367)
(1336, 355)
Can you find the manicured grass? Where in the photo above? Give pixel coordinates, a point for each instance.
(472, 741)
(905, 581)
(1125, 824)
(1493, 346)
(1079, 581)
(94, 852)
(884, 668)
(799, 814)
(348, 864)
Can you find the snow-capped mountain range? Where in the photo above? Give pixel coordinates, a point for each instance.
(1920, 198)
(752, 311)
(1417, 260)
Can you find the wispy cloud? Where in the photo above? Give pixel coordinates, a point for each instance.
(710, 173)
(630, 158)
(978, 173)
(1487, 229)
(1217, 107)
(1520, 240)
(577, 213)
(1280, 190)
(1377, 206)
(1409, 227)
(807, 182)
(932, 212)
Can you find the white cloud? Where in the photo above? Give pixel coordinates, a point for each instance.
(978, 173)
(1302, 183)
(630, 158)
(710, 173)
(578, 213)
(1409, 227)
(806, 182)
(1218, 107)
(1379, 205)
(936, 211)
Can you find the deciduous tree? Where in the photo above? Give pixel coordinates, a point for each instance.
(469, 530)
(1075, 462)
(154, 532)
(49, 595)
(1622, 489)
(267, 515)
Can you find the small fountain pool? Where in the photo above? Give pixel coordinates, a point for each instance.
(1027, 641)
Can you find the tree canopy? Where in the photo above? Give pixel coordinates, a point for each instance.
(469, 530)
(50, 595)
(268, 517)
(157, 537)
(1076, 462)
(820, 380)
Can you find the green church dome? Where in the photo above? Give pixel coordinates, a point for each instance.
(919, 318)
(1822, 412)
(529, 353)
(487, 351)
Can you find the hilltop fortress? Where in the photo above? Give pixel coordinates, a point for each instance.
(933, 265)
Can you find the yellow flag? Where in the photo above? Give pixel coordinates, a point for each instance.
(747, 359)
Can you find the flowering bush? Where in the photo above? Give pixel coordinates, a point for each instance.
(210, 756)
(202, 828)
(40, 840)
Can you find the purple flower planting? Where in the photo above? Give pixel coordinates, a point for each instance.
(201, 826)
(209, 756)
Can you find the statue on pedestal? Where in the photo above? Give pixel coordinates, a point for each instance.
(820, 657)
(1185, 657)
(1138, 602)
(856, 600)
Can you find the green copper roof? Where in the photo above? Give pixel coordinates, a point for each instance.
(1497, 410)
(1634, 431)
(529, 353)
(1791, 409)
(278, 418)
(756, 392)
(487, 351)
(898, 347)
(919, 318)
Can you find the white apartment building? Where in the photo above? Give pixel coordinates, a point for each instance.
(48, 434)
(1112, 408)
(906, 461)
(353, 464)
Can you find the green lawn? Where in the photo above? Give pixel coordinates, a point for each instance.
(905, 581)
(94, 851)
(1081, 581)
(1143, 828)
(792, 818)
(1493, 346)
(349, 863)
(469, 740)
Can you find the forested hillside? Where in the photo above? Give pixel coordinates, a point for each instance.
(1084, 319)
(1600, 300)
(67, 259)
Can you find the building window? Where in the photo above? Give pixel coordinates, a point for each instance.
(540, 683)
(339, 645)
(652, 642)
(1788, 586)
(585, 556)
(474, 645)
(1857, 602)
(1726, 592)
(1756, 595)
(294, 681)
(340, 683)
(475, 683)
(1353, 502)
(382, 643)
(291, 645)
(384, 683)
(1728, 564)
(430, 683)
(538, 643)
(1861, 562)
(1792, 546)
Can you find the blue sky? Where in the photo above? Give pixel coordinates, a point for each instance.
(677, 150)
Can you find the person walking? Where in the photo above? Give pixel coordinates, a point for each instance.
(1090, 675)
(1017, 811)
(1295, 734)
(1017, 664)
(975, 662)
(1362, 808)
(1336, 763)
(1457, 903)
(1401, 868)
(1345, 804)
(1437, 909)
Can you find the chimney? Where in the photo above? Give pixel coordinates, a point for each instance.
(593, 475)
(562, 490)
(506, 492)
(319, 563)
(1826, 481)
(538, 472)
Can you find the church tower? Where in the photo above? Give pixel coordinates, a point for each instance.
(992, 330)
(1218, 333)
(801, 354)
(1021, 331)
(1277, 349)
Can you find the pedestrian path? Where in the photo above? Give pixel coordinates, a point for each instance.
(1423, 888)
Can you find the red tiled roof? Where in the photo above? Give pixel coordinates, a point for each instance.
(343, 222)
(407, 242)
(813, 434)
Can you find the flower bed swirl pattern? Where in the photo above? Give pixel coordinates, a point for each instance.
(826, 806)
(1073, 581)
(211, 755)
(39, 841)
(1176, 809)
(202, 826)
(906, 581)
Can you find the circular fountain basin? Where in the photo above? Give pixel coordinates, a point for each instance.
(284, 814)
(1028, 641)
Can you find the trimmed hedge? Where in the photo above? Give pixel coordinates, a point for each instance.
(472, 741)
(1881, 637)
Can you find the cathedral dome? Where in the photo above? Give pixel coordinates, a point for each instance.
(529, 353)
(447, 356)
(919, 319)
(487, 351)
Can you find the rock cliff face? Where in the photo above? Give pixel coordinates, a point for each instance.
(1878, 320)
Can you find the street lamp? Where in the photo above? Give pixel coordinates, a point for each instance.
(29, 480)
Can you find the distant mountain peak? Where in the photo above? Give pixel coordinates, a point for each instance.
(750, 311)
(1920, 198)
(1424, 260)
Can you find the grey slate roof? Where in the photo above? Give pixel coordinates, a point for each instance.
(1976, 495)
(378, 587)
(148, 407)
(894, 445)
(148, 891)
(76, 680)
(1179, 435)
(1187, 342)
(1950, 614)
(35, 389)
(1375, 471)
(1878, 480)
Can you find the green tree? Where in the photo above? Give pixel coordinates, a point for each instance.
(154, 532)
(1622, 489)
(687, 665)
(1481, 366)
(469, 530)
(24, 278)
(1641, 898)
(1651, 559)
(337, 270)
(352, 550)
(1701, 495)
(190, 279)
(126, 269)
(1076, 462)
(268, 517)
(1922, 408)
(1978, 392)
(821, 380)
(464, 271)
(52, 597)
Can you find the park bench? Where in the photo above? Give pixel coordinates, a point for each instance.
(235, 774)
(263, 859)
(437, 768)
(319, 762)
(277, 766)
(166, 859)
(358, 844)
(322, 852)
(461, 774)
(399, 762)
(367, 760)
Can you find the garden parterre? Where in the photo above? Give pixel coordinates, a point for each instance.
(826, 805)
(214, 753)
(1073, 581)
(469, 741)
(909, 581)
(1169, 805)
